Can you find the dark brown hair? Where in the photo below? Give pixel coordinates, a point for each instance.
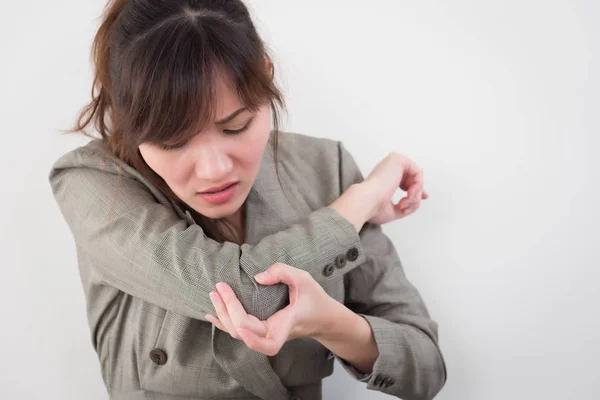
(155, 63)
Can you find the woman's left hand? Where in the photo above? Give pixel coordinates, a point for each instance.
(305, 316)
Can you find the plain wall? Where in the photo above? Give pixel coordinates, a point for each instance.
(497, 101)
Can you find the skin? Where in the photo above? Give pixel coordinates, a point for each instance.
(216, 156)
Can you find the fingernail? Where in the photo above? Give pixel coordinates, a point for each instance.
(260, 276)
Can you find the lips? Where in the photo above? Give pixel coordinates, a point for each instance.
(217, 189)
(220, 197)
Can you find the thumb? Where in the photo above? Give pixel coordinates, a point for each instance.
(277, 273)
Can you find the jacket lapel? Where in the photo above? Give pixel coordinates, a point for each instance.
(272, 204)
(249, 368)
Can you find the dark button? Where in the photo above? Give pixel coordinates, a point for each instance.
(329, 355)
(377, 380)
(328, 270)
(383, 381)
(158, 357)
(352, 254)
(340, 261)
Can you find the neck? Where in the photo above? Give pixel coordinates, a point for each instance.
(237, 220)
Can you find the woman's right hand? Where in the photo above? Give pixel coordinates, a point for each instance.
(393, 172)
(371, 199)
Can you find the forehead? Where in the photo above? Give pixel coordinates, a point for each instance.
(227, 99)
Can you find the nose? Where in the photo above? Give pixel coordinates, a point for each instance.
(213, 164)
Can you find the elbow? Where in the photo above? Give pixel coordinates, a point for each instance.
(436, 380)
(270, 299)
(430, 376)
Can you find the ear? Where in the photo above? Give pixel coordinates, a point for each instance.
(269, 66)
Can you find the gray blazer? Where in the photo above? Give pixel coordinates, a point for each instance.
(147, 269)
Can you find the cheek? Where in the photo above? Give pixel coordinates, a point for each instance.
(254, 143)
(161, 163)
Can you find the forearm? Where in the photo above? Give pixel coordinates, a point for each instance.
(144, 249)
(348, 213)
(343, 333)
(356, 205)
(410, 364)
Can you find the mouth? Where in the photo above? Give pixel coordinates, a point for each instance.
(221, 196)
(218, 189)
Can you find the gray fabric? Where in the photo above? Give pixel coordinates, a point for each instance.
(147, 269)
(308, 392)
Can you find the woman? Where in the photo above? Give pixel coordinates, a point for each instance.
(221, 258)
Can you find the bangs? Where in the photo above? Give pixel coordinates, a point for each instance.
(166, 85)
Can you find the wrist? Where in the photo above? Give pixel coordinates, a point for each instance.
(369, 197)
(356, 204)
(335, 318)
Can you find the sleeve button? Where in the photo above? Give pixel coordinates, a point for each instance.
(377, 380)
(328, 270)
(352, 254)
(340, 261)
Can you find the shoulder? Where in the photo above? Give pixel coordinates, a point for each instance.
(294, 145)
(93, 161)
(92, 155)
(90, 171)
(320, 168)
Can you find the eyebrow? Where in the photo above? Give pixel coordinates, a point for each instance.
(230, 117)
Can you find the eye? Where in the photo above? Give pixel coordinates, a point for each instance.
(172, 147)
(238, 131)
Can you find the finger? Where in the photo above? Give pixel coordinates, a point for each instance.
(425, 195)
(412, 176)
(259, 344)
(415, 189)
(403, 204)
(238, 315)
(417, 204)
(407, 201)
(272, 343)
(280, 273)
(222, 313)
(418, 197)
(234, 307)
(413, 193)
(407, 211)
(215, 321)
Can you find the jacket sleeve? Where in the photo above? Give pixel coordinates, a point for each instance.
(143, 248)
(410, 364)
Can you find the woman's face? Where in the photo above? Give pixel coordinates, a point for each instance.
(215, 157)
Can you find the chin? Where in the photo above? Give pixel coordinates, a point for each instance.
(219, 211)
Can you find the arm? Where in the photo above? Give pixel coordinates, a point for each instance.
(343, 332)
(409, 363)
(144, 249)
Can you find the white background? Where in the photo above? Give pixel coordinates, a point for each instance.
(497, 101)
